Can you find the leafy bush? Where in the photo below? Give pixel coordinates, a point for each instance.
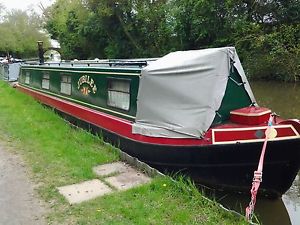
(265, 33)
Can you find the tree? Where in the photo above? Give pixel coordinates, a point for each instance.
(201, 24)
(113, 29)
(265, 33)
(64, 21)
(20, 32)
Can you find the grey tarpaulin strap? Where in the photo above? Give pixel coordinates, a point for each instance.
(232, 71)
(237, 83)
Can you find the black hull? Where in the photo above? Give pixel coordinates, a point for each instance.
(228, 167)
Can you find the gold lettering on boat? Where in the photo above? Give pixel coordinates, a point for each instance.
(86, 85)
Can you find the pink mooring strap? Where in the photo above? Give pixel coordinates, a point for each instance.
(257, 178)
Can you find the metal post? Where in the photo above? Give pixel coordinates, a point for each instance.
(41, 52)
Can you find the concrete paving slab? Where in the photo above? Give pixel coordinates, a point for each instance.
(128, 179)
(111, 168)
(84, 191)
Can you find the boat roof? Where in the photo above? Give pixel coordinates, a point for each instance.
(98, 63)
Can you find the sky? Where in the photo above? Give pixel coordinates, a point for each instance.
(25, 4)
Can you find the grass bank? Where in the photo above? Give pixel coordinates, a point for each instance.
(59, 155)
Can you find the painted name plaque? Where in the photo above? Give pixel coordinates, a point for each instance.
(86, 85)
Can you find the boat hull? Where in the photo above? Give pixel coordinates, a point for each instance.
(227, 167)
(223, 166)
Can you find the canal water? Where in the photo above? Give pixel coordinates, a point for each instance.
(284, 99)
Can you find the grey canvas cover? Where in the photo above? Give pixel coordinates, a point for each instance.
(180, 93)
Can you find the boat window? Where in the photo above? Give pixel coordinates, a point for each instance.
(119, 93)
(27, 78)
(65, 85)
(46, 81)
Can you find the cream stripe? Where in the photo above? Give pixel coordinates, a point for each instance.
(256, 140)
(253, 128)
(296, 132)
(213, 136)
(250, 114)
(74, 100)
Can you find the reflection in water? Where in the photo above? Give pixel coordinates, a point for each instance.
(285, 211)
(269, 212)
(284, 99)
(292, 202)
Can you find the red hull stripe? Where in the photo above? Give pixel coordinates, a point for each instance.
(110, 123)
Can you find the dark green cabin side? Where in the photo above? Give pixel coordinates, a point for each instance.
(235, 97)
(95, 87)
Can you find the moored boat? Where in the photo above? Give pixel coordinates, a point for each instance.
(10, 69)
(189, 111)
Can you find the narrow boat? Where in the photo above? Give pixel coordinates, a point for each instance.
(189, 111)
(9, 70)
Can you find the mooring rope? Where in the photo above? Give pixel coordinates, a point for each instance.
(257, 178)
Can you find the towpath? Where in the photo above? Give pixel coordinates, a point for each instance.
(18, 202)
